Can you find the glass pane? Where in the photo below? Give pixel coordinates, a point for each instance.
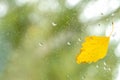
(41, 39)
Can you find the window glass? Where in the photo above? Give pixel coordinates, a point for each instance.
(40, 39)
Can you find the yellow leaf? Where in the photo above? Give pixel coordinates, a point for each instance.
(93, 49)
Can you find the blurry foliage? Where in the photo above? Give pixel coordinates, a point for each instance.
(32, 48)
(16, 24)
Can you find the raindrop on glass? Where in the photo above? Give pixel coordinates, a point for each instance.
(109, 69)
(113, 35)
(68, 43)
(54, 24)
(107, 19)
(79, 39)
(40, 44)
(83, 77)
(105, 63)
(102, 14)
(112, 14)
(97, 66)
(104, 68)
(98, 24)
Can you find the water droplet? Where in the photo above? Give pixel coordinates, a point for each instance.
(102, 14)
(113, 35)
(104, 68)
(105, 63)
(54, 24)
(112, 14)
(98, 24)
(68, 43)
(107, 19)
(79, 39)
(109, 69)
(83, 77)
(97, 66)
(40, 44)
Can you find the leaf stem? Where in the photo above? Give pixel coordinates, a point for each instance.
(112, 29)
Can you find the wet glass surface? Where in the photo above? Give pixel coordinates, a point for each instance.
(40, 39)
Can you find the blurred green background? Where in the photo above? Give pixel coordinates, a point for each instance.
(39, 39)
